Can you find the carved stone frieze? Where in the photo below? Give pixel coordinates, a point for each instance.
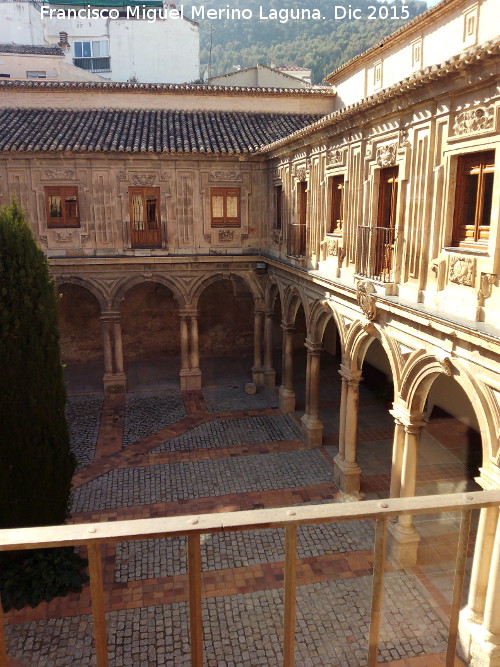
(64, 236)
(386, 155)
(462, 270)
(144, 180)
(332, 247)
(479, 119)
(335, 157)
(226, 235)
(366, 299)
(59, 174)
(225, 175)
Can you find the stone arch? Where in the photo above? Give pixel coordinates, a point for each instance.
(272, 291)
(421, 371)
(249, 281)
(124, 285)
(91, 286)
(292, 299)
(359, 337)
(80, 310)
(321, 313)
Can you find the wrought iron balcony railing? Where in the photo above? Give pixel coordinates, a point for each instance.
(95, 536)
(145, 234)
(375, 253)
(93, 64)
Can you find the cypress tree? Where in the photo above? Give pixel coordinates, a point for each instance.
(36, 464)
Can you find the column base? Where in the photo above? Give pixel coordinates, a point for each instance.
(258, 376)
(190, 379)
(114, 383)
(402, 545)
(476, 646)
(286, 400)
(312, 430)
(270, 378)
(347, 476)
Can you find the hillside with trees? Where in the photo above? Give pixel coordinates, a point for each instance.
(322, 44)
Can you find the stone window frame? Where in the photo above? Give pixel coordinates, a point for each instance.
(65, 220)
(278, 206)
(332, 178)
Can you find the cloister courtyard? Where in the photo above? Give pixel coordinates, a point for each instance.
(157, 451)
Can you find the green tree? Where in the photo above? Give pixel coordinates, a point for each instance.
(36, 464)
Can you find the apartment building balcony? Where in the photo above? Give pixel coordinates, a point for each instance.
(375, 253)
(95, 65)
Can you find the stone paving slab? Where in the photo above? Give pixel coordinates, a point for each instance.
(83, 414)
(167, 556)
(233, 397)
(232, 432)
(149, 412)
(245, 630)
(126, 487)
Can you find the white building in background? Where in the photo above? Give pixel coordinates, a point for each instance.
(125, 48)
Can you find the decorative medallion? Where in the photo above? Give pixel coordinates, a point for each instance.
(225, 175)
(365, 298)
(144, 180)
(480, 119)
(462, 270)
(64, 236)
(58, 174)
(226, 235)
(332, 246)
(164, 175)
(301, 173)
(386, 155)
(335, 156)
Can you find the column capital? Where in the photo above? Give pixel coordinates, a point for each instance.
(107, 315)
(258, 311)
(349, 375)
(314, 349)
(188, 312)
(410, 420)
(269, 313)
(288, 328)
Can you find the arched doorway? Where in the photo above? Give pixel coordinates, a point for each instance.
(226, 332)
(80, 338)
(150, 333)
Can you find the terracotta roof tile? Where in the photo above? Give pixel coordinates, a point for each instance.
(140, 131)
(34, 50)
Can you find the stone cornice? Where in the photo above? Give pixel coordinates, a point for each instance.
(424, 77)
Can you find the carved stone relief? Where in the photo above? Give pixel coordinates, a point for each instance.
(64, 236)
(122, 175)
(84, 238)
(404, 142)
(369, 150)
(164, 176)
(276, 236)
(144, 180)
(365, 298)
(301, 173)
(225, 175)
(486, 285)
(226, 235)
(462, 270)
(479, 119)
(335, 157)
(332, 246)
(244, 237)
(208, 237)
(58, 174)
(386, 155)
(44, 240)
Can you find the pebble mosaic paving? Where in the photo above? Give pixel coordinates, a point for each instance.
(167, 556)
(126, 487)
(245, 630)
(83, 417)
(149, 412)
(231, 432)
(229, 398)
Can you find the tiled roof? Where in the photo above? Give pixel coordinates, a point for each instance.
(32, 50)
(137, 131)
(293, 68)
(180, 88)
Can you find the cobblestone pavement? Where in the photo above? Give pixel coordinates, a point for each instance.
(83, 415)
(228, 398)
(126, 487)
(149, 412)
(165, 557)
(245, 630)
(231, 432)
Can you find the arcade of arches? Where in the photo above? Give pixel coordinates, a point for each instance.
(334, 366)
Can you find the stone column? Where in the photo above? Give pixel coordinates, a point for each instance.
(117, 333)
(397, 457)
(479, 627)
(257, 370)
(312, 427)
(269, 372)
(107, 345)
(347, 472)
(287, 394)
(403, 546)
(189, 374)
